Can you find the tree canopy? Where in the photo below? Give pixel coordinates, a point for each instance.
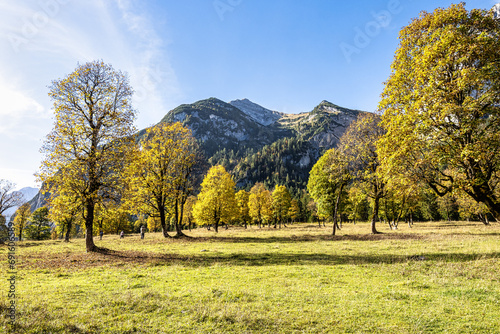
(259, 203)
(23, 214)
(39, 225)
(87, 147)
(216, 201)
(160, 179)
(441, 104)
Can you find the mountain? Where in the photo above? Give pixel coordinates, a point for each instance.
(496, 10)
(28, 193)
(323, 126)
(219, 125)
(257, 144)
(256, 112)
(260, 145)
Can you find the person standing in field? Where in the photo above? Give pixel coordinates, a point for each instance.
(122, 234)
(142, 231)
(101, 234)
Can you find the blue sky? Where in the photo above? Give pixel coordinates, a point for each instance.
(284, 55)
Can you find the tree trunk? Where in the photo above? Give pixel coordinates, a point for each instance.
(163, 224)
(482, 193)
(89, 228)
(68, 230)
(178, 219)
(484, 218)
(335, 213)
(376, 201)
(217, 227)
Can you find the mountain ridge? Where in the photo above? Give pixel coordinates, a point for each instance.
(297, 139)
(255, 111)
(281, 152)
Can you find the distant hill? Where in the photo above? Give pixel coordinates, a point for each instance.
(28, 194)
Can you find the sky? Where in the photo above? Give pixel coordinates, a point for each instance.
(286, 55)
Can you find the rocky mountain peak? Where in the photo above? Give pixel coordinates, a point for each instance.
(256, 112)
(496, 11)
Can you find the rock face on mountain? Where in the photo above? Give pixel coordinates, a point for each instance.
(323, 126)
(218, 125)
(496, 10)
(256, 112)
(260, 145)
(244, 124)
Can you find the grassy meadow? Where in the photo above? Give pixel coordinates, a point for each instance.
(437, 277)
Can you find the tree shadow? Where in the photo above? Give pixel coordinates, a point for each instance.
(27, 244)
(312, 238)
(269, 259)
(78, 261)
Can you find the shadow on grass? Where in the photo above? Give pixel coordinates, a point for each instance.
(80, 261)
(27, 244)
(306, 238)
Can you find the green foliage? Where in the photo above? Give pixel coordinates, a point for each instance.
(285, 162)
(322, 187)
(39, 225)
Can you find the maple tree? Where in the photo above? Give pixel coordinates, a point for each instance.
(359, 146)
(441, 104)
(216, 201)
(88, 146)
(327, 180)
(281, 201)
(294, 211)
(259, 204)
(23, 214)
(243, 214)
(160, 175)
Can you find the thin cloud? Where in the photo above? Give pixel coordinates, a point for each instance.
(41, 44)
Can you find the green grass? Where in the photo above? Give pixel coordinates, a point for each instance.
(294, 280)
